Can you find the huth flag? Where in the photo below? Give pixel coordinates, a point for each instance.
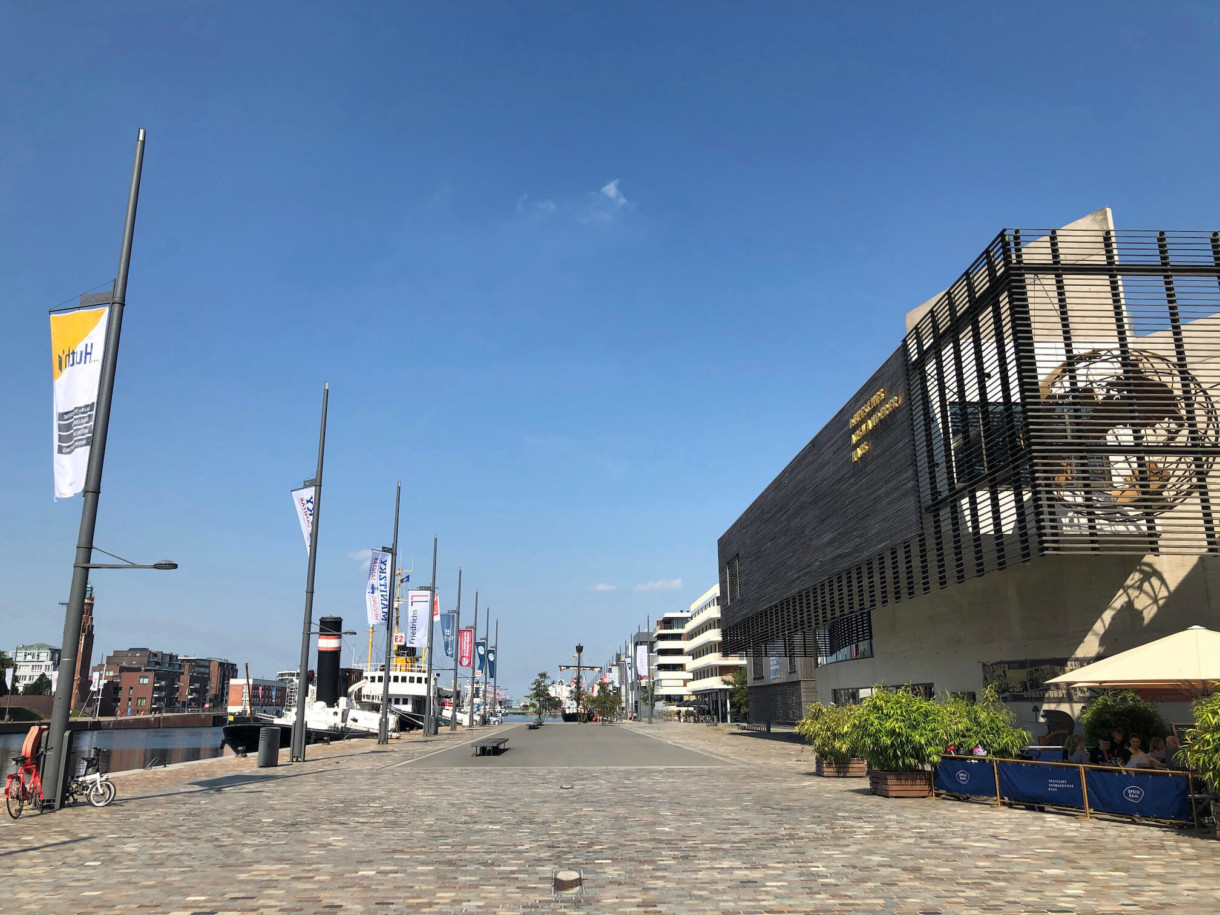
(78, 339)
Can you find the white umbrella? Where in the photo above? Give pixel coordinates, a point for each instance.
(1188, 660)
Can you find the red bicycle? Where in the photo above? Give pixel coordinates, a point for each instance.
(25, 785)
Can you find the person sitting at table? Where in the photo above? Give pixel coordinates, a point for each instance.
(1103, 754)
(1156, 750)
(1119, 744)
(1139, 759)
(1074, 751)
(1174, 757)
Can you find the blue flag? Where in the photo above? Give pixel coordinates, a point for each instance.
(448, 625)
(480, 654)
(491, 662)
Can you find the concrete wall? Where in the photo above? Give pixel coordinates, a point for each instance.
(1053, 607)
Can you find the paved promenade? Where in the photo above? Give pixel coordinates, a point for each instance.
(661, 818)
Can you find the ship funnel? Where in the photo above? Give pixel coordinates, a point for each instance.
(330, 641)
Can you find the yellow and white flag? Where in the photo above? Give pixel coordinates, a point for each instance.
(77, 341)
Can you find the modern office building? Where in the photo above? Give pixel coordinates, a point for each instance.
(669, 674)
(1026, 484)
(706, 666)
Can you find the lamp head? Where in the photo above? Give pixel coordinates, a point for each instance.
(165, 565)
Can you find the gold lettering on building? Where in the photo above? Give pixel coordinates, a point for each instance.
(866, 419)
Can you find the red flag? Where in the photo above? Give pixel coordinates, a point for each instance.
(465, 647)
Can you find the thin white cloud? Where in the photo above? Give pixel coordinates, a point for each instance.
(601, 587)
(360, 556)
(525, 206)
(672, 584)
(614, 194)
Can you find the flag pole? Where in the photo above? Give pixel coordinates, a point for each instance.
(56, 762)
(299, 739)
(430, 711)
(457, 654)
(383, 726)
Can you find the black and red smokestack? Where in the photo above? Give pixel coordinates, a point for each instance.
(330, 641)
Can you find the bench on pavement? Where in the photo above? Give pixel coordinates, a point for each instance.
(492, 746)
(763, 728)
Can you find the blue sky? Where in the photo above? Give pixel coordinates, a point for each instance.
(583, 276)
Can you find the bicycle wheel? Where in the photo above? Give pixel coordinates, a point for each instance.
(101, 793)
(14, 797)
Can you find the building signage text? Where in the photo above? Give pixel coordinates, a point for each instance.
(864, 420)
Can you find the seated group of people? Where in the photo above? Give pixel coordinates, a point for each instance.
(1161, 753)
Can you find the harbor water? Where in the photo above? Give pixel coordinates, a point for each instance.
(131, 748)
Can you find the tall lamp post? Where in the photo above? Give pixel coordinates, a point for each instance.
(383, 725)
(297, 752)
(56, 763)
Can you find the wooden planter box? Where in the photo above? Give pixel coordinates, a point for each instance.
(901, 784)
(853, 768)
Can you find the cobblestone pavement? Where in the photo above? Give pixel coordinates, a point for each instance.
(359, 828)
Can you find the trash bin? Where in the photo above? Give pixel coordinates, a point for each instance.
(268, 747)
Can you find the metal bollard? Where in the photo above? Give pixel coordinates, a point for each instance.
(268, 747)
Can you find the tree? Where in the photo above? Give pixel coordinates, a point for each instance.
(1122, 709)
(40, 687)
(541, 700)
(739, 694)
(5, 663)
(605, 703)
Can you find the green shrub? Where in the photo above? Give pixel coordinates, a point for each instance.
(900, 731)
(1203, 742)
(986, 723)
(1122, 709)
(830, 731)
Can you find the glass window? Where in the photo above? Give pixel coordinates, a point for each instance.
(144, 681)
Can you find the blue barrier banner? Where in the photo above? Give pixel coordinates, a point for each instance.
(1166, 797)
(1030, 783)
(966, 776)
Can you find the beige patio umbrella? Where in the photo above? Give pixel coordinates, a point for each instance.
(1187, 660)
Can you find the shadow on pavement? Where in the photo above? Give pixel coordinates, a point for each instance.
(18, 851)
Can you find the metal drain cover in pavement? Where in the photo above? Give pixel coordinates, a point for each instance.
(568, 882)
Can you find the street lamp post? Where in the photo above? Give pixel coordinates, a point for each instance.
(297, 752)
(56, 763)
(430, 709)
(383, 726)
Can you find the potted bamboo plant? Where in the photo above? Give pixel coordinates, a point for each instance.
(986, 724)
(902, 735)
(829, 730)
(1202, 750)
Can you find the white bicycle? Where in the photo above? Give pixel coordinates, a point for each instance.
(92, 785)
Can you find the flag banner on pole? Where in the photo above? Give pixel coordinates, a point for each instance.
(436, 606)
(417, 618)
(377, 588)
(491, 662)
(303, 499)
(448, 623)
(465, 647)
(54, 681)
(8, 678)
(77, 341)
(641, 659)
(96, 681)
(480, 654)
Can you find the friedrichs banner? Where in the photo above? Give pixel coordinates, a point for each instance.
(77, 341)
(480, 654)
(377, 588)
(303, 499)
(417, 618)
(465, 647)
(491, 663)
